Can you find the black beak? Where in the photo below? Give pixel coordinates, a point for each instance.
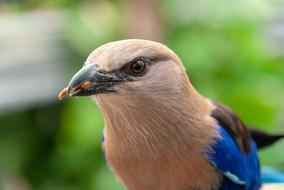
(88, 81)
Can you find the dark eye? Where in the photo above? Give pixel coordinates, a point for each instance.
(138, 66)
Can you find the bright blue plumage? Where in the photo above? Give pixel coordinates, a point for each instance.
(271, 175)
(240, 171)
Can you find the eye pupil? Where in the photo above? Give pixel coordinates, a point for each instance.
(138, 66)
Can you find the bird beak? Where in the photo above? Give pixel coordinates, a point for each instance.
(88, 81)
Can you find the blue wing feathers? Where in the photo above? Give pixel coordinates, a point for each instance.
(240, 171)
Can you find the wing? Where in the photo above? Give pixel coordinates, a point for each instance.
(264, 139)
(240, 171)
(233, 125)
(240, 132)
(234, 155)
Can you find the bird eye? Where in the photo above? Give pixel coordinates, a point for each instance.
(137, 67)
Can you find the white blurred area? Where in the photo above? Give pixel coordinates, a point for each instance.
(275, 29)
(33, 59)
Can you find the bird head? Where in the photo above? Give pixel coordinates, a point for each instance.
(145, 96)
(136, 68)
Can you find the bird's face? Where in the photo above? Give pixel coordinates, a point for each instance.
(127, 67)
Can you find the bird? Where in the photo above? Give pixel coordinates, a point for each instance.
(160, 132)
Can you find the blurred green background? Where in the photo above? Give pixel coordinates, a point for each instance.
(233, 50)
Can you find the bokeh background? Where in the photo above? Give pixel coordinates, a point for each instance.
(233, 50)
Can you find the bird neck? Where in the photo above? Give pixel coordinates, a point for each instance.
(175, 130)
(137, 120)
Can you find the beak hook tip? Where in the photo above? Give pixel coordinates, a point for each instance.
(63, 93)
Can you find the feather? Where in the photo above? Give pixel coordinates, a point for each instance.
(240, 170)
(264, 139)
(240, 132)
(233, 125)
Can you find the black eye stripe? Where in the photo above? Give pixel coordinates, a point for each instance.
(125, 70)
(146, 60)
